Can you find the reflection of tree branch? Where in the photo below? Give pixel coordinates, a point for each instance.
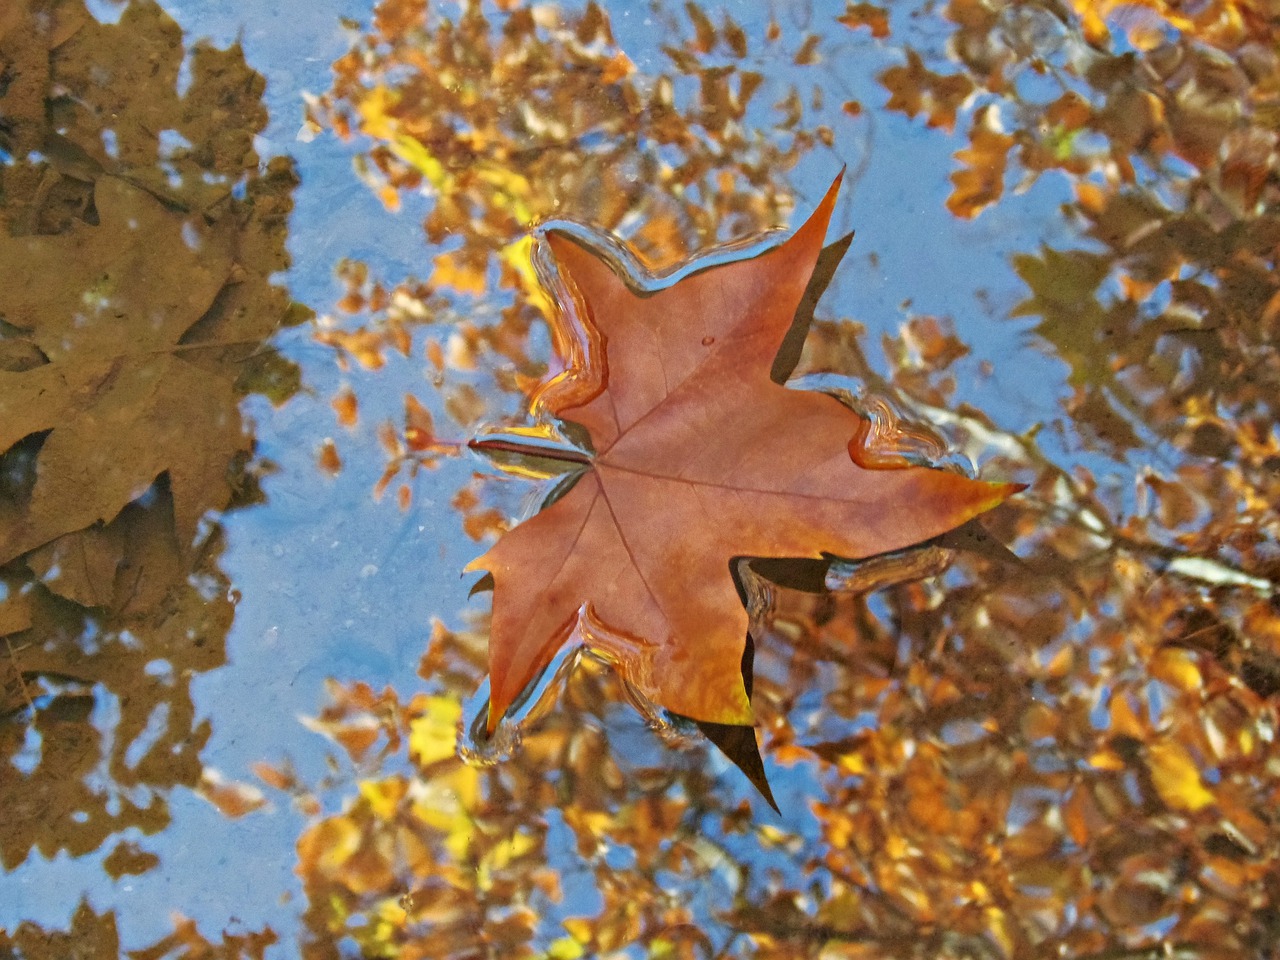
(1016, 447)
(813, 933)
(69, 159)
(891, 944)
(17, 673)
(1162, 951)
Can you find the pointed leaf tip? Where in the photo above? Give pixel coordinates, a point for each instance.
(1006, 490)
(500, 698)
(813, 231)
(996, 494)
(828, 200)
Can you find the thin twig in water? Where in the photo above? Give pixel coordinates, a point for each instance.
(22, 684)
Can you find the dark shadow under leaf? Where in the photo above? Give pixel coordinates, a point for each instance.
(738, 743)
(784, 363)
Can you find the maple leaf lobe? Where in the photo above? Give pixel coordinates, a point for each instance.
(729, 319)
(700, 459)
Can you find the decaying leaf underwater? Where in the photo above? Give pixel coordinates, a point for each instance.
(698, 458)
(137, 303)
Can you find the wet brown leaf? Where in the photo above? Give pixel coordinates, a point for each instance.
(128, 397)
(668, 460)
(136, 304)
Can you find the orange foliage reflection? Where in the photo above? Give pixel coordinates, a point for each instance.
(1070, 754)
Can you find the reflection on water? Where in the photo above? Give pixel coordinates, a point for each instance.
(1068, 754)
(139, 235)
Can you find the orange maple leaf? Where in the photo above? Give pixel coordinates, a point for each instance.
(699, 458)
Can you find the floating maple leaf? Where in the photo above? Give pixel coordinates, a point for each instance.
(699, 458)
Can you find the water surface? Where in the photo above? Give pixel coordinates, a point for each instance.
(249, 252)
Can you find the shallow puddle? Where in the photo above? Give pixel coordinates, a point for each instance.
(266, 271)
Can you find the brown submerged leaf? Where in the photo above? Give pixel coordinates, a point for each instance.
(139, 233)
(131, 321)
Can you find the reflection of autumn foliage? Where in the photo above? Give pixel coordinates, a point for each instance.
(93, 935)
(510, 114)
(74, 787)
(1117, 97)
(1112, 715)
(1003, 792)
(138, 237)
(445, 859)
(1169, 323)
(1074, 757)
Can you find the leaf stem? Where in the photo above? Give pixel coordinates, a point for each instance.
(530, 450)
